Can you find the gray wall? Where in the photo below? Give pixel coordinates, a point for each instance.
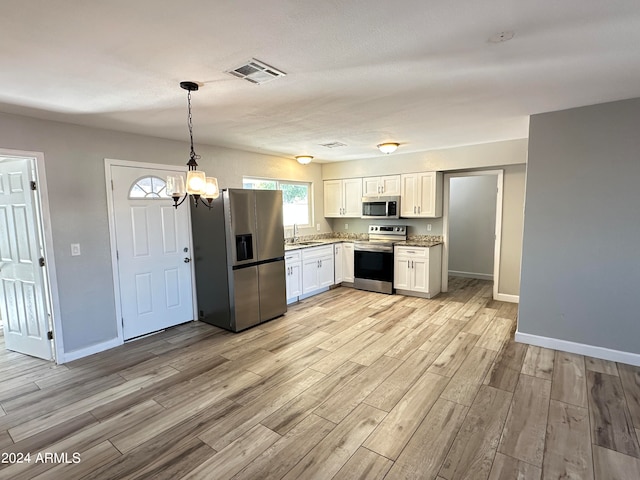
(581, 262)
(472, 223)
(509, 156)
(74, 162)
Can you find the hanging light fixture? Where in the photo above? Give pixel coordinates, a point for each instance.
(388, 147)
(304, 159)
(198, 185)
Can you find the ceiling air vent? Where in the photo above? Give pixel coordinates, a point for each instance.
(257, 72)
(333, 145)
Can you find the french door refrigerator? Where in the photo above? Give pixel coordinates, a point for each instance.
(239, 258)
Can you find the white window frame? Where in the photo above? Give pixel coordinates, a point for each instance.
(280, 181)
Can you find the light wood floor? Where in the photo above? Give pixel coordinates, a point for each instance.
(346, 385)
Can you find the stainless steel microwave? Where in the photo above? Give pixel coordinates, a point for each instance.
(381, 207)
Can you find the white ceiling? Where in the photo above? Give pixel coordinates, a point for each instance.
(361, 72)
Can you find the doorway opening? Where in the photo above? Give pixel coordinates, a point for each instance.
(28, 289)
(472, 225)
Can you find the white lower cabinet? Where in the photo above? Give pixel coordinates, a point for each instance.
(293, 267)
(347, 262)
(417, 270)
(343, 263)
(337, 263)
(317, 268)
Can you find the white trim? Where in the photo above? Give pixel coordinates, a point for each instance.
(45, 218)
(108, 163)
(579, 348)
(498, 231)
(505, 297)
(479, 276)
(93, 349)
(315, 292)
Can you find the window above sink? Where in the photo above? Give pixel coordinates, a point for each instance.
(296, 198)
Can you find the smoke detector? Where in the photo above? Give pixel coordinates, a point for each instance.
(257, 72)
(502, 37)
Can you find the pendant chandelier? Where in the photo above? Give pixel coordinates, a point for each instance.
(198, 185)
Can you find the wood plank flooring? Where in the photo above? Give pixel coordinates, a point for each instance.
(347, 385)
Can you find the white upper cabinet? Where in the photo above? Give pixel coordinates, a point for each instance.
(387, 185)
(343, 198)
(421, 195)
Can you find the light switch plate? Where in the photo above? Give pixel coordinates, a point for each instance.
(75, 249)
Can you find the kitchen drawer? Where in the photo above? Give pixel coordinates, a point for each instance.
(414, 252)
(292, 256)
(317, 252)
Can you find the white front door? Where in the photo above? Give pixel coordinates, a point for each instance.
(153, 250)
(23, 303)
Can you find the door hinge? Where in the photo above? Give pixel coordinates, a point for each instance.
(41, 261)
(111, 184)
(49, 335)
(33, 185)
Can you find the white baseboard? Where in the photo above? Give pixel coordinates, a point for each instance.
(315, 292)
(85, 352)
(579, 348)
(504, 297)
(479, 276)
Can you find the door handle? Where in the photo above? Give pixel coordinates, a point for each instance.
(187, 259)
(414, 209)
(419, 208)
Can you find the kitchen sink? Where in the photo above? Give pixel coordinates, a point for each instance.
(310, 242)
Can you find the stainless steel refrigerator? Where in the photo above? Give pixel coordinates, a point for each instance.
(239, 258)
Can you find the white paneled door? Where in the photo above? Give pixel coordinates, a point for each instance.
(23, 303)
(153, 252)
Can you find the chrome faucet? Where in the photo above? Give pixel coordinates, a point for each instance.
(295, 233)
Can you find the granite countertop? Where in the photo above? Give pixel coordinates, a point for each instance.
(419, 243)
(316, 243)
(324, 239)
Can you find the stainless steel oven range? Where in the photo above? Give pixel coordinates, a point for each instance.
(373, 259)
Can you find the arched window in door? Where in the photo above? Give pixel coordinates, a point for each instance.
(149, 188)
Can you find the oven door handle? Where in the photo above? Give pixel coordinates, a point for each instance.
(373, 248)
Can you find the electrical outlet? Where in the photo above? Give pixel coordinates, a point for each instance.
(428, 227)
(318, 227)
(75, 249)
(346, 226)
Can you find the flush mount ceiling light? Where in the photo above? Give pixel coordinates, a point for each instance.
(304, 159)
(388, 147)
(198, 184)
